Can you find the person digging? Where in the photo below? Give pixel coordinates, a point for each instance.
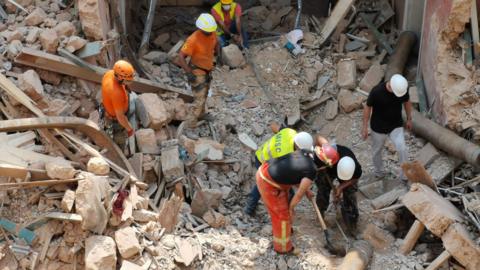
(228, 15)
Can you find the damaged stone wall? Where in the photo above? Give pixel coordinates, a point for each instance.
(448, 82)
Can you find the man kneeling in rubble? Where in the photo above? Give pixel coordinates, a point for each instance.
(118, 104)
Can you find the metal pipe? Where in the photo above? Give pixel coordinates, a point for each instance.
(148, 27)
(299, 13)
(445, 139)
(399, 58)
(357, 257)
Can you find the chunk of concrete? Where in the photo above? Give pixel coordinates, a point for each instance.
(65, 28)
(75, 43)
(349, 101)
(60, 169)
(89, 197)
(178, 109)
(151, 111)
(232, 56)
(31, 84)
(94, 22)
(161, 39)
(36, 17)
(331, 109)
(68, 201)
(215, 149)
(172, 166)
(12, 35)
(427, 154)
(380, 239)
(49, 40)
(146, 141)
(49, 76)
(100, 253)
(347, 74)
(214, 219)
(461, 245)
(98, 166)
(127, 242)
(144, 215)
(157, 57)
(434, 211)
(373, 77)
(204, 200)
(33, 34)
(127, 265)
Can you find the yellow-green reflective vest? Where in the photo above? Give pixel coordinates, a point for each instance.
(278, 145)
(218, 8)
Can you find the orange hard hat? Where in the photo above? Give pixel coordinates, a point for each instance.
(327, 154)
(123, 70)
(226, 2)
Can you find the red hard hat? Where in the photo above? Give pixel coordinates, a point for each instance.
(327, 154)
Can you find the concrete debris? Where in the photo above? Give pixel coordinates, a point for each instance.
(146, 141)
(127, 242)
(215, 149)
(100, 253)
(30, 83)
(65, 28)
(232, 56)
(60, 169)
(98, 166)
(172, 166)
(68, 201)
(380, 239)
(214, 219)
(203, 200)
(157, 57)
(427, 154)
(36, 17)
(347, 74)
(349, 101)
(49, 40)
(372, 77)
(33, 35)
(75, 43)
(143, 215)
(93, 18)
(151, 111)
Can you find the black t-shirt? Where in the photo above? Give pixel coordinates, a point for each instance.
(344, 151)
(386, 109)
(292, 168)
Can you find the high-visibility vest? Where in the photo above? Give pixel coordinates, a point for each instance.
(218, 8)
(279, 145)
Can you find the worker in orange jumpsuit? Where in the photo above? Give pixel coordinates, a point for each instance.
(274, 180)
(200, 47)
(118, 103)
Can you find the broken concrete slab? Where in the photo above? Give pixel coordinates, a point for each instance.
(347, 74)
(100, 253)
(49, 40)
(127, 242)
(146, 141)
(442, 168)
(204, 200)
(68, 201)
(144, 215)
(36, 17)
(31, 84)
(157, 57)
(461, 245)
(60, 169)
(168, 214)
(331, 109)
(172, 167)
(98, 166)
(93, 18)
(75, 43)
(215, 149)
(127, 265)
(427, 154)
(430, 208)
(151, 111)
(388, 198)
(372, 190)
(232, 56)
(214, 219)
(372, 77)
(380, 239)
(350, 101)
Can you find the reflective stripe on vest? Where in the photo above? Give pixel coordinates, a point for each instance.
(218, 8)
(278, 145)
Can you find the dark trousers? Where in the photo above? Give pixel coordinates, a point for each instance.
(348, 204)
(224, 38)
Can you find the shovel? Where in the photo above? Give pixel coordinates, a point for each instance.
(328, 245)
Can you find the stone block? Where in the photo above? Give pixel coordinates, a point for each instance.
(127, 242)
(430, 208)
(372, 77)
(100, 253)
(151, 111)
(65, 28)
(98, 166)
(204, 200)
(215, 149)
(60, 169)
(146, 141)
(92, 17)
(232, 56)
(68, 201)
(75, 43)
(350, 101)
(427, 154)
(31, 84)
(49, 40)
(460, 243)
(36, 17)
(172, 166)
(347, 74)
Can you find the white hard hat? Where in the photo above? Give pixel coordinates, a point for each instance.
(206, 22)
(345, 168)
(303, 140)
(399, 85)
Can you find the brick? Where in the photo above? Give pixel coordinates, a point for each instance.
(31, 84)
(349, 101)
(151, 111)
(100, 253)
(434, 211)
(49, 40)
(172, 166)
(427, 154)
(347, 74)
(215, 149)
(460, 244)
(380, 239)
(372, 77)
(68, 201)
(127, 242)
(232, 56)
(331, 109)
(146, 141)
(36, 17)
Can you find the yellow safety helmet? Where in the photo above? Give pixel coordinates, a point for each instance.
(206, 22)
(226, 2)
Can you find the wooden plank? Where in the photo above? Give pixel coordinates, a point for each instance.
(475, 33)
(21, 139)
(441, 259)
(340, 10)
(39, 59)
(412, 236)
(21, 172)
(147, 28)
(4, 186)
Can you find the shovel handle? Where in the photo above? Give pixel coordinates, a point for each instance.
(319, 215)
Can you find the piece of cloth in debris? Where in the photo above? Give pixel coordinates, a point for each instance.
(114, 95)
(275, 198)
(386, 109)
(201, 49)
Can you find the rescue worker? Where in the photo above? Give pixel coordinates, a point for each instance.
(200, 47)
(228, 15)
(384, 111)
(118, 103)
(347, 170)
(285, 141)
(274, 180)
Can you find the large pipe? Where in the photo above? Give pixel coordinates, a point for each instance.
(299, 13)
(399, 58)
(445, 139)
(357, 257)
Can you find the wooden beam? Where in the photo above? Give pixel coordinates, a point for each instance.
(412, 236)
(21, 172)
(55, 63)
(441, 259)
(475, 33)
(340, 10)
(148, 28)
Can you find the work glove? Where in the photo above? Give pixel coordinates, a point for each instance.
(191, 77)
